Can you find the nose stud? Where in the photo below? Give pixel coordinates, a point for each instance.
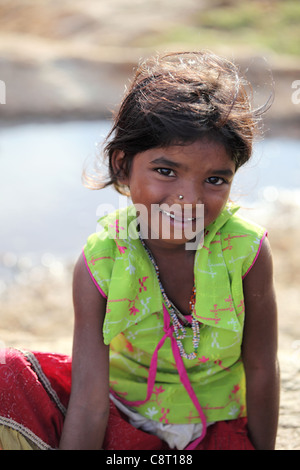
(180, 197)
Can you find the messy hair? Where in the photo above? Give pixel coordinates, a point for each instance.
(178, 98)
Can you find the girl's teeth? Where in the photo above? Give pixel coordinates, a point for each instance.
(189, 219)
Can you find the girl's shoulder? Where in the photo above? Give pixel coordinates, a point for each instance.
(243, 239)
(114, 231)
(231, 223)
(237, 224)
(115, 252)
(237, 240)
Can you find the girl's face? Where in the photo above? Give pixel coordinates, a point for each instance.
(201, 172)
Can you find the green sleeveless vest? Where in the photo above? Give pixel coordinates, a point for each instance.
(145, 372)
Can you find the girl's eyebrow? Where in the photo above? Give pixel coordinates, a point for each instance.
(165, 161)
(223, 172)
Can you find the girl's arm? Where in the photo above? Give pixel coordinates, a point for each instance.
(260, 352)
(88, 408)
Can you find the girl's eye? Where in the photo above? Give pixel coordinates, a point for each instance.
(165, 171)
(215, 180)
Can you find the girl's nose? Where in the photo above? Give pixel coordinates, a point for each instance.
(190, 193)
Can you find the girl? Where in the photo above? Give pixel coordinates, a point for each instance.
(175, 337)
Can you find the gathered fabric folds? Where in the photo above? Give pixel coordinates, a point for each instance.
(34, 394)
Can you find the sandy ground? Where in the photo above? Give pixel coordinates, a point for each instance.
(37, 314)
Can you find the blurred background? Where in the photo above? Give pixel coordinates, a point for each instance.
(64, 66)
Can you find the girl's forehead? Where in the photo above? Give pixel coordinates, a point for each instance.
(196, 150)
(198, 146)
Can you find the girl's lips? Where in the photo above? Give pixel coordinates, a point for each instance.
(178, 217)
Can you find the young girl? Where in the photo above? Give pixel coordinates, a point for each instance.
(175, 337)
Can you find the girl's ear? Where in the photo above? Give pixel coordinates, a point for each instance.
(119, 167)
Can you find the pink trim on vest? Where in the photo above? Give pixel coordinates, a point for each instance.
(256, 256)
(168, 329)
(94, 280)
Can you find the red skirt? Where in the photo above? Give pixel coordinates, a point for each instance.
(34, 394)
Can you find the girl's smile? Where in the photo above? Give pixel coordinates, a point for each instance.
(200, 173)
(179, 218)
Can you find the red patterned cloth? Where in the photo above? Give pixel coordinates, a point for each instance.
(34, 394)
(224, 435)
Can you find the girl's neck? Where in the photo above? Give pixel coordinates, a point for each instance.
(170, 251)
(176, 272)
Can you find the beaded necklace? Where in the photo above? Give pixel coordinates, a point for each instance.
(179, 327)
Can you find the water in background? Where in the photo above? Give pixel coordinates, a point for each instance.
(46, 213)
